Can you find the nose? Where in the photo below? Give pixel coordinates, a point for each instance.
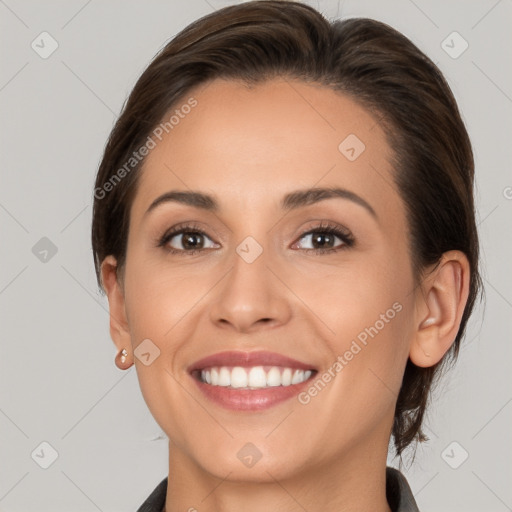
(251, 297)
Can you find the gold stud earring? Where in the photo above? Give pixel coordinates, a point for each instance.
(121, 360)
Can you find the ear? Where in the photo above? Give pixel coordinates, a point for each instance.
(112, 283)
(440, 305)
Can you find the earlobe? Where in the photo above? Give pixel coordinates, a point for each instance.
(119, 330)
(440, 306)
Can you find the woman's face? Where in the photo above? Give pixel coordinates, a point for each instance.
(262, 271)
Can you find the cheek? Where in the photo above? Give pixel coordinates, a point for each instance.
(368, 311)
(352, 297)
(364, 374)
(158, 296)
(157, 303)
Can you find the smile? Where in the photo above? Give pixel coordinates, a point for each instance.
(257, 377)
(250, 381)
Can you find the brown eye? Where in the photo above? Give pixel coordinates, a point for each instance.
(191, 240)
(323, 239)
(186, 239)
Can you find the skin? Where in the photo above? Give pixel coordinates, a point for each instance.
(248, 148)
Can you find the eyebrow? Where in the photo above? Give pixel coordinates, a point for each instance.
(290, 201)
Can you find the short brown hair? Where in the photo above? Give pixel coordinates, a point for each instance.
(372, 63)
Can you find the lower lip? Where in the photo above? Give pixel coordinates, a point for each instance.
(251, 399)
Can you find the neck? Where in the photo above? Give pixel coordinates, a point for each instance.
(350, 483)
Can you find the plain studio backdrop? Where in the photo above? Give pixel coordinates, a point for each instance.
(75, 432)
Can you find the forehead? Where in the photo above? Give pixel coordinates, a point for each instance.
(246, 145)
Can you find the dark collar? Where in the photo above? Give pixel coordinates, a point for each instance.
(398, 494)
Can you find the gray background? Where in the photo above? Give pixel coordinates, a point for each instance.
(58, 381)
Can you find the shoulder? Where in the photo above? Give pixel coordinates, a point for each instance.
(156, 500)
(398, 492)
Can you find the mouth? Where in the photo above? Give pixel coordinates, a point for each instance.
(255, 377)
(250, 380)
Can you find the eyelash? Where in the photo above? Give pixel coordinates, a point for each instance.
(324, 227)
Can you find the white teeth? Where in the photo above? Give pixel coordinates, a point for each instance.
(257, 377)
(298, 376)
(274, 377)
(224, 377)
(238, 377)
(214, 377)
(254, 378)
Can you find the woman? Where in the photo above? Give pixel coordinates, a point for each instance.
(284, 227)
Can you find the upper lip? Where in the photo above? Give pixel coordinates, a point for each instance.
(238, 358)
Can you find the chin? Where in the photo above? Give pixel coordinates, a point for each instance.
(249, 461)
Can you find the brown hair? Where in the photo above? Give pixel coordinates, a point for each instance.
(369, 61)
